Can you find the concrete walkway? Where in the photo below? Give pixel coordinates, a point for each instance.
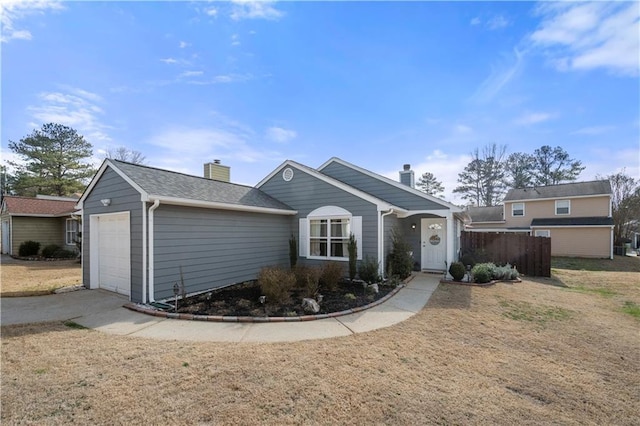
(103, 311)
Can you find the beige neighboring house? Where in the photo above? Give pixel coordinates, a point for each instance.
(576, 216)
(45, 219)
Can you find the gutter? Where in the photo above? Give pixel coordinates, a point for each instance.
(381, 236)
(144, 252)
(155, 205)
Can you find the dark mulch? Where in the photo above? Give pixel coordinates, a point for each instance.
(244, 300)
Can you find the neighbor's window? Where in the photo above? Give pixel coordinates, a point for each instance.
(71, 232)
(563, 206)
(543, 233)
(329, 237)
(517, 209)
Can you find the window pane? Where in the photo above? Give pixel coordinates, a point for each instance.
(318, 247)
(340, 228)
(339, 248)
(318, 228)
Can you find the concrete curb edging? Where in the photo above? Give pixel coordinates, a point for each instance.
(473, 284)
(145, 309)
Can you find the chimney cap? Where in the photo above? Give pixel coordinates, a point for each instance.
(407, 167)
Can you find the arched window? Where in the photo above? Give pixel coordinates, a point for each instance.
(324, 233)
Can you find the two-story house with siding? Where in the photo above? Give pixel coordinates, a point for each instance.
(576, 216)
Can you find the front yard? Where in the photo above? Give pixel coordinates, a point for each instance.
(561, 351)
(23, 277)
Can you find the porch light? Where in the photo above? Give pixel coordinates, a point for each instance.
(106, 201)
(413, 226)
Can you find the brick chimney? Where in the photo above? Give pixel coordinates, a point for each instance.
(407, 177)
(217, 171)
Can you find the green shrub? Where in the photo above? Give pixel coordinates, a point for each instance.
(468, 259)
(332, 273)
(50, 251)
(368, 270)
(457, 271)
(276, 284)
(29, 248)
(307, 279)
(400, 261)
(293, 251)
(483, 272)
(506, 272)
(352, 247)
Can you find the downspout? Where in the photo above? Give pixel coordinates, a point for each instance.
(155, 205)
(144, 252)
(381, 254)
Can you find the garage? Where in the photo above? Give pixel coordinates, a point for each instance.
(112, 252)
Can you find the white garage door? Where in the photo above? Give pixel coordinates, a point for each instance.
(114, 253)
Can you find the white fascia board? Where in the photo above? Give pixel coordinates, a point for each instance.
(570, 226)
(568, 197)
(440, 213)
(107, 163)
(220, 206)
(381, 204)
(384, 179)
(41, 215)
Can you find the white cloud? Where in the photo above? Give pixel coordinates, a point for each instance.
(246, 9)
(533, 118)
(584, 36)
(187, 74)
(74, 108)
(444, 167)
(169, 61)
(501, 75)
(463, 129)
(183, 44)
(593, 130)
(235, 40)
(224, 79)
(475, 21)
(13, 11)
(211, 11)
(280, 135)
(497, 22)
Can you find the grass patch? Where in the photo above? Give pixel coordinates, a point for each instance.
(606, 292)
(539, 314)
(632, 309)
(617, 264)
(74, 325)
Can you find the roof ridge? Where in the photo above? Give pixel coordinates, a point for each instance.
(560, 184)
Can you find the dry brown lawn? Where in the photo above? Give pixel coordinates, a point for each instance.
(23, 278)
(527, 353)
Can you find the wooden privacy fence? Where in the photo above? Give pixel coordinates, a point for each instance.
(530, 255)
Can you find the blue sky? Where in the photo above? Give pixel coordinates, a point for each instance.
(378, 84)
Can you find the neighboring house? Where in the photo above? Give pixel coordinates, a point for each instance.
(146, 229)
(45, 219)
(576, 216)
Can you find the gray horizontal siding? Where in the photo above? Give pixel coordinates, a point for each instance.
(306, 193)
(380, 189)
(123, 198)
(215, 248)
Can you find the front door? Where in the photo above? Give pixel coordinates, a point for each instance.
(6, 240)
(434, 244)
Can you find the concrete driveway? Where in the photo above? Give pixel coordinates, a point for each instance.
(102, 310)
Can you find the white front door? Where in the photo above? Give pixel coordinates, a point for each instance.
(434, 244)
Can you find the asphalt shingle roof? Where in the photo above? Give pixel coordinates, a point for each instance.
(596, 187)
(573, 221)
(37, 206)
(165, 183)
(486, 214)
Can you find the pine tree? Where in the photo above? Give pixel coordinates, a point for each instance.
(429, 184)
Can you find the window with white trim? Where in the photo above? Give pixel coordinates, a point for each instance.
(563, 207)
(324, 233)
(542, 233)
(517, 209)
(71, 232)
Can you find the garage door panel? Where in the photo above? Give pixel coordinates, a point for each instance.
(114, 253)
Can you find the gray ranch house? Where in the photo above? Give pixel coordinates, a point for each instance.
(145, 229)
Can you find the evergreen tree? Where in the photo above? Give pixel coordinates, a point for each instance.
(519, 170)
(55, 161)
(553, 166)
(429, 184)
(482, 180)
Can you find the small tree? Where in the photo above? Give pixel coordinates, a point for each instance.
(625, 204)
(293, 251)
(400, 260)
(430, 185)
(123, 153)
(352, 247)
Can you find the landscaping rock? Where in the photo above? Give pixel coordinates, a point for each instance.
(310, 305)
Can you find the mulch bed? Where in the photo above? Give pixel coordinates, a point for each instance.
(244, 300)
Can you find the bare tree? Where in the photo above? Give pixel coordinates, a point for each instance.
(553, 166)
(625, 202)
(122, 153)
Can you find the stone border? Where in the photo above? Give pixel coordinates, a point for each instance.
(472, 284)
(145, 309)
